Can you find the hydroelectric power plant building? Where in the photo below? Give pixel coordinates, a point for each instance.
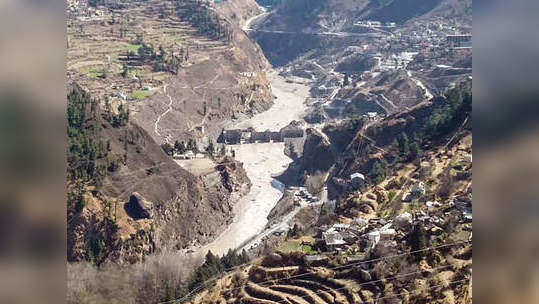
(245, 136)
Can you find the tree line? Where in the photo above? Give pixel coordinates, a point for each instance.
(89, 156)
(180, 147)
(159, 59)
(447, 117)
(215, 265)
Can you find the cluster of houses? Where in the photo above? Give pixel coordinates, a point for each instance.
(460, 41)
(189, 155)
(362, 235)
(366, 233)
(354, 182)
(393, 61)
(302, 195)
(371, 23)
(436, 36)
(414, 192)
(82, 8)
(249, 135)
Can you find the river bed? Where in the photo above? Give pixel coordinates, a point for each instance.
(261, 161)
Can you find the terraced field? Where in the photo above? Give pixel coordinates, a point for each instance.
(99, 46)
(351, 283)
(155, 58)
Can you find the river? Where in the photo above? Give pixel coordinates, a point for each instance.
(261, 161)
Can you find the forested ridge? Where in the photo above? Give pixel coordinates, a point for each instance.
(89, 155)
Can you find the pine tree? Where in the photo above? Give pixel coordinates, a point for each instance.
(414, 151)
(169, 150)
(211, 148)
(192, 145)
(179, 147)
(222, 151)
(404, 144)
(418, 241)
(346, 80)
(379, 171)
(244, 257)
(125, 71)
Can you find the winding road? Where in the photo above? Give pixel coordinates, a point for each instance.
(156, 125)
(247, 28)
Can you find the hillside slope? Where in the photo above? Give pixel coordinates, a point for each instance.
(127, 198)
(401, 235)
(169, 59)
(340, 15)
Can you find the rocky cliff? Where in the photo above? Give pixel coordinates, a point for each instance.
(239, 11)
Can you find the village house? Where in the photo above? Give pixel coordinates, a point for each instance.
(243, 136)
(246, 136)
(333, 240)
(384, 233)
(276, 137)
(189, 155)
(415, 191)
(315, 260)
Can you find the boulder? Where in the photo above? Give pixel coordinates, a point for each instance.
(365, 275)
(418, 189)
(403, 221)
(138, 207)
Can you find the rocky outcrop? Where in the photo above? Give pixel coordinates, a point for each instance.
(139, 207)
(233, 175)
(239, 11)
(283, 207)
(318, 154)
(317, 115)
(315, 157)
